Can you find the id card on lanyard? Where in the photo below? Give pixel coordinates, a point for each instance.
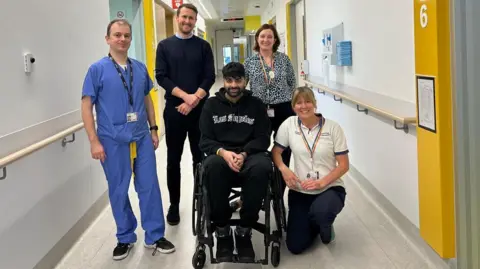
(268, 80)
(131, 116)
(312, 173)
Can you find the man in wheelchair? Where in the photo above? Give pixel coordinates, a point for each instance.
(235, 136)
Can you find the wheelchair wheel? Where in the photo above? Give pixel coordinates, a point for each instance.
(199, 258)
(197, 200)
(275, 255)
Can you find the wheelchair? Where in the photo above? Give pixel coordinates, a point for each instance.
(202, 225)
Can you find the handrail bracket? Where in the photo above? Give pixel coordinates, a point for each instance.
(4, 173)
(403, 126)
(65, 141)
(365, 110)
(338, 100)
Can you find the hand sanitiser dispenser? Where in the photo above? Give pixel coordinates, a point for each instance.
(326, 69)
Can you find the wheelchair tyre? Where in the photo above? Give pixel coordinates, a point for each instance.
(275, 255)
(199, 258)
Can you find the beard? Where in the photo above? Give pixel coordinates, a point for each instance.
(234, 92)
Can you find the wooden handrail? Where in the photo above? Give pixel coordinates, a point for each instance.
(37, 146)
(403, 120)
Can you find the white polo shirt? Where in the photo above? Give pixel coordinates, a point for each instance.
(331, 142)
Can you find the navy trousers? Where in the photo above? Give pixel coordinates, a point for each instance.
(312, 215)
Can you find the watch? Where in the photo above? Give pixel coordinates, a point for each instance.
(154, 128)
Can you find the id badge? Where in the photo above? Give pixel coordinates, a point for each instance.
(271, 112)
(132, 117)
(315, 175)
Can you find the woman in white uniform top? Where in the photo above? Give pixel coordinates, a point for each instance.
(320, 152)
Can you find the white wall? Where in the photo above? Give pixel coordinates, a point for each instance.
(46, 193)
(383, 62)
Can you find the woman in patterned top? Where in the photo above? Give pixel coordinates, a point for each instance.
(272, 79)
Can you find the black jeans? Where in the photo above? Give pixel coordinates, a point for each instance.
(177, 126)
(312, 215)
(282, 112)
(253, 179)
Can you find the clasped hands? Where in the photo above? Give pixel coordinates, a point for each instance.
(292, 180)
(235, 161)
(190, 102)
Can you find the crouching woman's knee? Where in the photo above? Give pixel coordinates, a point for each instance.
(297, 245)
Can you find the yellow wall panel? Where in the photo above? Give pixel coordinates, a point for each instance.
(435, 154)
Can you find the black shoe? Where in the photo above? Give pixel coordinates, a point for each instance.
(121, 251)
(224, 244)
(243, 239)
(163, 246)
(173, 216)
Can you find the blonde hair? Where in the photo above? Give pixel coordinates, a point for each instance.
(304, 92)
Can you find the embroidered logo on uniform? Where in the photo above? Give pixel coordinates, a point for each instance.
(233, 118)
(325, 134)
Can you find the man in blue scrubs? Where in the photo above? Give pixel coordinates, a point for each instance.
(119, 88)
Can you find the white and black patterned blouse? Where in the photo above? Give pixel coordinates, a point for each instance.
(281, 86)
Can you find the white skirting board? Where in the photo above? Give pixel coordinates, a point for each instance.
(406, 228)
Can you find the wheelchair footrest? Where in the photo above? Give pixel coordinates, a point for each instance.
(236, 259)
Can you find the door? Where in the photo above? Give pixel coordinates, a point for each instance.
(300, 36)
(466, 128)
(236, 53)
(227, 54)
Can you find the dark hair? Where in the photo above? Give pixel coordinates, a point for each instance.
(189, 6)
(275, 35)
(233, 70)
(120, 21)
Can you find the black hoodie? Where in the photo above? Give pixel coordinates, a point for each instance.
(243, 126)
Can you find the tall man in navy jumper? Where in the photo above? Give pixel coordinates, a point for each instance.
(185, 69)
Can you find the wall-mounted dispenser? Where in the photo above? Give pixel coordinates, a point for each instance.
(28, 61)
(326, 62)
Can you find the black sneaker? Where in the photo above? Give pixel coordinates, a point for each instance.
(224, 244)
(121, 251)
(173, 216)
(163, 246)
(243, 239)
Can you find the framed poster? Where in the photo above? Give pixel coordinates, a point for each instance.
(426, 115)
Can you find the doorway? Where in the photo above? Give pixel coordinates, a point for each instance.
(300, 39)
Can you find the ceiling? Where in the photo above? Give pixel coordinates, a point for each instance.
(215, 10)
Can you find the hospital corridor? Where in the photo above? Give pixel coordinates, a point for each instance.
(239, 134)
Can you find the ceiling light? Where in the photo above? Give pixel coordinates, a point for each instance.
(204, 8)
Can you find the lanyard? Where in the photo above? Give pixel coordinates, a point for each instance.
(311, 150)
(129, 90)
(267, 78)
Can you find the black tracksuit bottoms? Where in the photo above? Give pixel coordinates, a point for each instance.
(177, 127)
(253, 179)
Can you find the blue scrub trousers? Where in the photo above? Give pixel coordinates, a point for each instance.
(117, 167)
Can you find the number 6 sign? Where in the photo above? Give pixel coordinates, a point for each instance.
(423, 16)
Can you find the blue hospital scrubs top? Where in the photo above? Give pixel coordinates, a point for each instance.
(110, 98)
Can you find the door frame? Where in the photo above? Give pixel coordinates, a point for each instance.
(466, 130)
